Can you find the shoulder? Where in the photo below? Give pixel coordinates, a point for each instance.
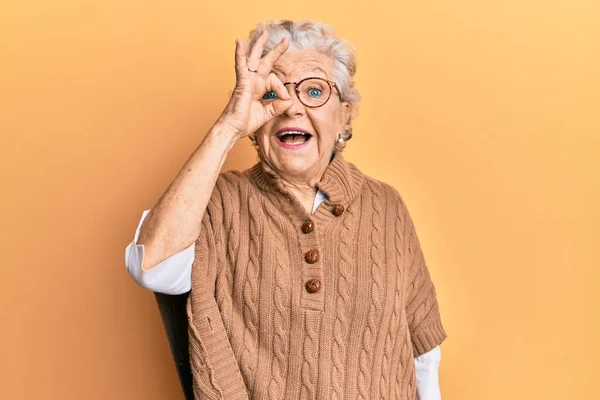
(232, 188)
(377, 189)
(232, 177)
(381, 188)
(228, 183)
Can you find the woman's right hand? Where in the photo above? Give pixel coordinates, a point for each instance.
(245, 112)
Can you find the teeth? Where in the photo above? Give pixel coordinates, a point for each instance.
(293, 137)
(291, 133)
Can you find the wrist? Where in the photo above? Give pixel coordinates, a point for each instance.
(224, 130)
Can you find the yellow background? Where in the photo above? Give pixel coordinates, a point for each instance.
(483, 114)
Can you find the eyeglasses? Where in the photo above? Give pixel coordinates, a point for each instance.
(313, 92)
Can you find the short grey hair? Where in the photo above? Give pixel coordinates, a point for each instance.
(321, 37)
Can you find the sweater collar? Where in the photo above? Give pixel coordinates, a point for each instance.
(341, 180)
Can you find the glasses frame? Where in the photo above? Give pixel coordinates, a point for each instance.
(331, 84)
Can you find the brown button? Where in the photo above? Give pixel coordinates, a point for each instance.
(308, 226)
(313, 286)
(338, 210)
(312, 256)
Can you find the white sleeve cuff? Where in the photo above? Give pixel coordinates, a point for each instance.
(170, 276)
(426, 369)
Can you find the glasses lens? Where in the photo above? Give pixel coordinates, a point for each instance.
(314, 92)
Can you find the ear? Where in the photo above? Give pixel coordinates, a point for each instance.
(252, 138)
(345, 110)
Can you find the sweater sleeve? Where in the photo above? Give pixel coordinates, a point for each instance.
(210, 245)
(422, 309)
(213, 364)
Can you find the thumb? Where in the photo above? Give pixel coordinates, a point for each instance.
(283, 100)
(277, 107)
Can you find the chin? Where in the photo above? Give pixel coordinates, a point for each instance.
(296, 166)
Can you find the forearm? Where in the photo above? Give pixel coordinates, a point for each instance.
(174, 222)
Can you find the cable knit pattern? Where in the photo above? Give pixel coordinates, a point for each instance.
(281, 318)
(375, 261)
(287, 304)
(249, 355)
(224, 273)
(310, 354)
(225, 279)
(404, 391)
(341, 325)
(392, 334)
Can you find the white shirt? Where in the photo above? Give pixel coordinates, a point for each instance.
(174, 276)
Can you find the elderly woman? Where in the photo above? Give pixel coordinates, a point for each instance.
(306, 276)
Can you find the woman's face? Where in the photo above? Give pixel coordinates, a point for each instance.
(294, 158)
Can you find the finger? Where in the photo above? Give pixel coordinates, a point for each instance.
(257, 49)
(283, 101)
(241, 68)
(275, 84)
(277, 107)
(267, 62)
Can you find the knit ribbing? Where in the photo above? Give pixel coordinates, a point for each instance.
(269, 321)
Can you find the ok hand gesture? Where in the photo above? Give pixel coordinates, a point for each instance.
(245, 112)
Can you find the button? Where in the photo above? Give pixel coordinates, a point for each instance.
(312, 256)
(308, 226)
(313, 286)
(338, 210)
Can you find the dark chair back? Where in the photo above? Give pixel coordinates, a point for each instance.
(174, 317)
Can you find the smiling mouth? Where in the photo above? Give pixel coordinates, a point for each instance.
(293, 138)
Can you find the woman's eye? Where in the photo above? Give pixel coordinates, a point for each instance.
(314, 92)
(270, 95)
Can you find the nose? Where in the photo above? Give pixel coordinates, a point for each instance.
(297, 108)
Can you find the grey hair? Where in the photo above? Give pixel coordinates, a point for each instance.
(321, 37)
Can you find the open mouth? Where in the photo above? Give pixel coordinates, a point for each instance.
(293, 138)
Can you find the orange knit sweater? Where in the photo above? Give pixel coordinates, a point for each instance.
(291, 305)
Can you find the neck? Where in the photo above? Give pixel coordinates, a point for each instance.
(341, 182)
(304, 192)
(301, 185)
